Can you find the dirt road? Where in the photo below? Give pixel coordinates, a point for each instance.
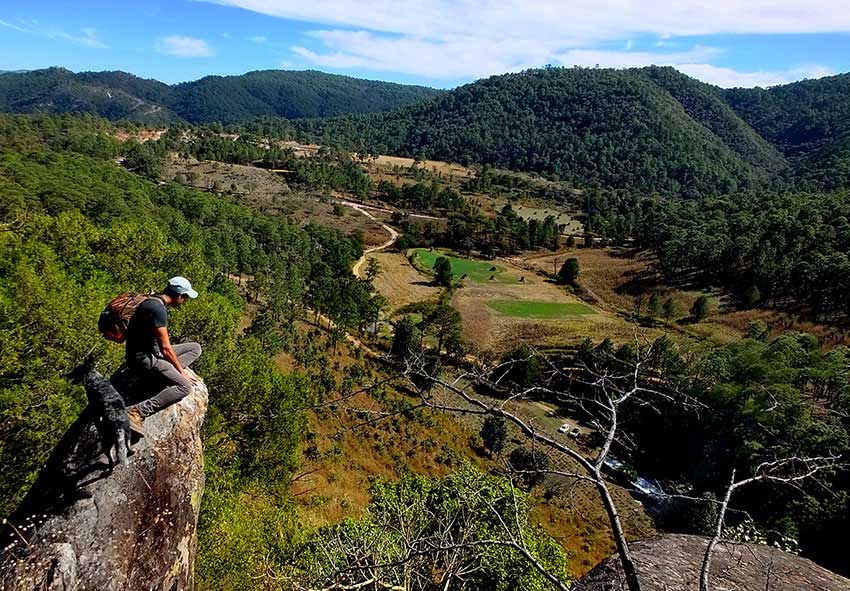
(393, 234)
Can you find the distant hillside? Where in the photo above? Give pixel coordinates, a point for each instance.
(228, 99)
(652, 130)
(289, 94)
(57, 90)
(649, 130)
(808, 121)
(705, 104)
(799, 118)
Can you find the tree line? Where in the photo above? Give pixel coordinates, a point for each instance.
(782, 249)
(468, 231)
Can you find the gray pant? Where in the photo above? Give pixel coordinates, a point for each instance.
(178, 387)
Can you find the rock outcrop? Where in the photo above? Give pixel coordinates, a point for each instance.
(82, 528)
(672, 562)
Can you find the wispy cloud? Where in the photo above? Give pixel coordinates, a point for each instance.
(258, 39)
(86, 36)
(729, 78)
(451, 39)
(611, 20)
(183, 46)
(14, 26)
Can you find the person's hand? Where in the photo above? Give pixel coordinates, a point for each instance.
(190, 375)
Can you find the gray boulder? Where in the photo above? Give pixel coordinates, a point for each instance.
(83, 527)
(671, 562)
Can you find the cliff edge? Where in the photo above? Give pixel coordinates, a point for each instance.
(82, 528)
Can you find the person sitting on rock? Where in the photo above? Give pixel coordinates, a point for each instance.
(151, 356)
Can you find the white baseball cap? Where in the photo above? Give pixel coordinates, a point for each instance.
(181, 285)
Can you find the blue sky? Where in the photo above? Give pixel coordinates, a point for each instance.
(440, 43)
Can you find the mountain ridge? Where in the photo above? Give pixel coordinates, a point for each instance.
(121, 96)
(651, 130)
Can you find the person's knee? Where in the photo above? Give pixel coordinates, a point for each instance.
(184, 388)
(189, 353)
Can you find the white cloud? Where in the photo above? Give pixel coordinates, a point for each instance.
(729, 78)
(14, 26)
(455, 58)
(614, 19)
(87, 36)
(453, 39)
(258, 39)
(183, 46)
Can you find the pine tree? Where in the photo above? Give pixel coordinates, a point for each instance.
(494, 434)
(443, 272)
(700, 308)
(569, 272)
(671, 309)
(654, 308)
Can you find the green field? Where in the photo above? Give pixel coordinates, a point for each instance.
(480, 271)
(530, 309)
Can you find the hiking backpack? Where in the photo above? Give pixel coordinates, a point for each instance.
(116, 316)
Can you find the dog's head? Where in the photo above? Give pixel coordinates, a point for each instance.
(79, 373)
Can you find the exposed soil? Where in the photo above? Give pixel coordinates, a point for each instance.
(266, 190)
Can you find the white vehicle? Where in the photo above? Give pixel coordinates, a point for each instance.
(565, 428)
(575, 432)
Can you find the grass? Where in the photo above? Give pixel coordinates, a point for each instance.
(480, 271)
(531, 309)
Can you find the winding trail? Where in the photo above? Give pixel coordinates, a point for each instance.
(320, 319)
(393, 233)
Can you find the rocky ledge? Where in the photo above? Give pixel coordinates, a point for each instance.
(81, 527)
(671, 562)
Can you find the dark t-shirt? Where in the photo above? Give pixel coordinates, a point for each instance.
(141, 332)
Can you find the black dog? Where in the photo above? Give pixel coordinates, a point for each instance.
(110, 416)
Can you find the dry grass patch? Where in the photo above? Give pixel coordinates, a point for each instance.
(345, 453)
(267, 191)
(446, 169)
(322, 212)
(400, 282)
(140, 135)
(611, 278)
(779, 322)
(257, 187)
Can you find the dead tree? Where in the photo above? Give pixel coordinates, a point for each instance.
(602, 392)
(790, 471)
(605, 392)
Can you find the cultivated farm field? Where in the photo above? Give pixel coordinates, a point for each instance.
(533, 309)
(462, 268)
(520, 307)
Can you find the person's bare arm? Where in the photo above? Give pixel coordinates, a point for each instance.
(168, 352)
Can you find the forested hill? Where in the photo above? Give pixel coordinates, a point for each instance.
(808, 121)
(649, 129)
(227, 99)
